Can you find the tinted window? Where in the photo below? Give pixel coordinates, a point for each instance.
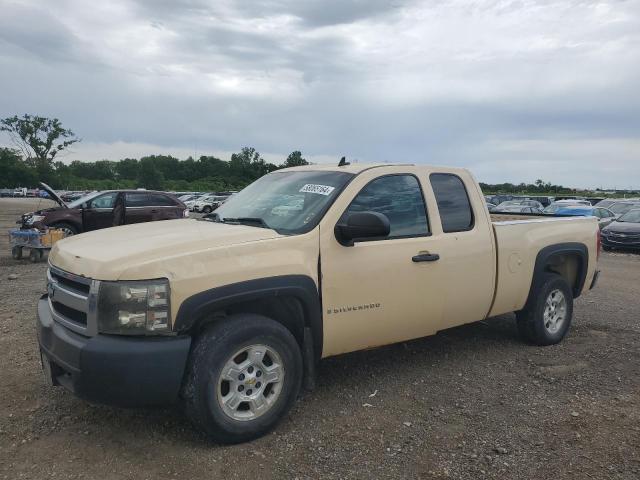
(453, 202)
(104, 201)
(159, 200)
(398, 197)
(136, 199)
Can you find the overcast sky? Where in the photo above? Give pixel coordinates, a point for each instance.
(513, 90)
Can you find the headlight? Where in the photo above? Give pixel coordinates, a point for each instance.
(134, 307)
(34, 219)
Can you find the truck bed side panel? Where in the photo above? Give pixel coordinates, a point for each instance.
(520, 241)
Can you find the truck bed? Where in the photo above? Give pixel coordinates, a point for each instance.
(519, 238)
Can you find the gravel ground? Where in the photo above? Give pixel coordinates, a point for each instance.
(471, 402)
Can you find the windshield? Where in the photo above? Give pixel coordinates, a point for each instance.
(619, 208)
(81, 200)
(288, 202)
(632, 216)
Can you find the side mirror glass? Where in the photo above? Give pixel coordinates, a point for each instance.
(362, 226)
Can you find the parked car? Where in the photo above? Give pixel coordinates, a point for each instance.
(231, 315)
(604, 215)
(515, 205)
(491, 206)
(622, 207)
(96, 210)
(191, 203)
(209, 203)
(607, 202)
(516, 209)
(624, 232)
(558, 204)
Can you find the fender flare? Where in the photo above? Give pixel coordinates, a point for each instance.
(301, 287)
(568, 248)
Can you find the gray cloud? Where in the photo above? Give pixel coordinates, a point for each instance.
(513, 90)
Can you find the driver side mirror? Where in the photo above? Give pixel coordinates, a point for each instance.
(362, 226)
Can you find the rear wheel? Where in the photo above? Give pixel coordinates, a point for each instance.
(207, 209)
(67, 228)
(547, 319)
(35, 255)
(244, 375)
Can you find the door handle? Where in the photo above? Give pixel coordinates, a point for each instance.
(426, 257)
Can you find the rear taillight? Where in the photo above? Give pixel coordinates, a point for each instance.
(185, 213)
(598, 244)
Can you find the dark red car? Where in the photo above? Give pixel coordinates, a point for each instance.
(96, 210)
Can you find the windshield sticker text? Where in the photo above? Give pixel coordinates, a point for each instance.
(319, 189)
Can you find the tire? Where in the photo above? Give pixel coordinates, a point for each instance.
(207, 209)
(66, 227)
(547, 320)
(16, 253)
(219, 370)
(35, 255)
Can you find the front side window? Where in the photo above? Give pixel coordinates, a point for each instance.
(104, 201)
(399, 197)
(289, 202)
(453, 202)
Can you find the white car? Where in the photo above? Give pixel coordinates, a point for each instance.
(209, 203)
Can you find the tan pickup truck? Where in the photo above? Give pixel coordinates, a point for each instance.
(229, 315)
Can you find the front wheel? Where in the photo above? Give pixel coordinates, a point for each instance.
(547, 319)
(16, 253)
(207, 209)
(67, 228)
(244, 375)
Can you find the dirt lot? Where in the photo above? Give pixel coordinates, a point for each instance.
(472, 402)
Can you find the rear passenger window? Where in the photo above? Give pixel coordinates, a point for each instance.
(453, 202)
(399, 197)
(159, 200)
(136, 199)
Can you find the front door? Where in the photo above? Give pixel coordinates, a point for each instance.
(384, 290)
(99, 212)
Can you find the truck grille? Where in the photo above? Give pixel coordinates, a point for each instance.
(73, 300)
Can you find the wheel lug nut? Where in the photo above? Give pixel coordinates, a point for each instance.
(249, 392)
(250, 369)
(241, 376)
(240, 388)
(259, 373)
(258, 385)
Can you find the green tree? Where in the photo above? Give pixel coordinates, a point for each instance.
(39, 139)
(149, 176)
(15, 173)
(294, 159)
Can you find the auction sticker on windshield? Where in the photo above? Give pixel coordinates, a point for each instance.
(319, 189)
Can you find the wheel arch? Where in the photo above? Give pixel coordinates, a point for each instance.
(291, 300)
(569, 260)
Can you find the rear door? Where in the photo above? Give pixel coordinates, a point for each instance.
(163, 207)
(136, 207)
(381, 291)
(467, 251)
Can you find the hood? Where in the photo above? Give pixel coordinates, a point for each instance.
(625, 227)
(107, 254)
(52, 193)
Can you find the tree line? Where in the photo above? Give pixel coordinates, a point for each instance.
(37, 141)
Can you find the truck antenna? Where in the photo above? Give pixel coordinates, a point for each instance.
(343, 162)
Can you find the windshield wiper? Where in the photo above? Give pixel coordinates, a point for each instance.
(257, 221)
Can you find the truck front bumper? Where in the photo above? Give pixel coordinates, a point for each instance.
(110, 369)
